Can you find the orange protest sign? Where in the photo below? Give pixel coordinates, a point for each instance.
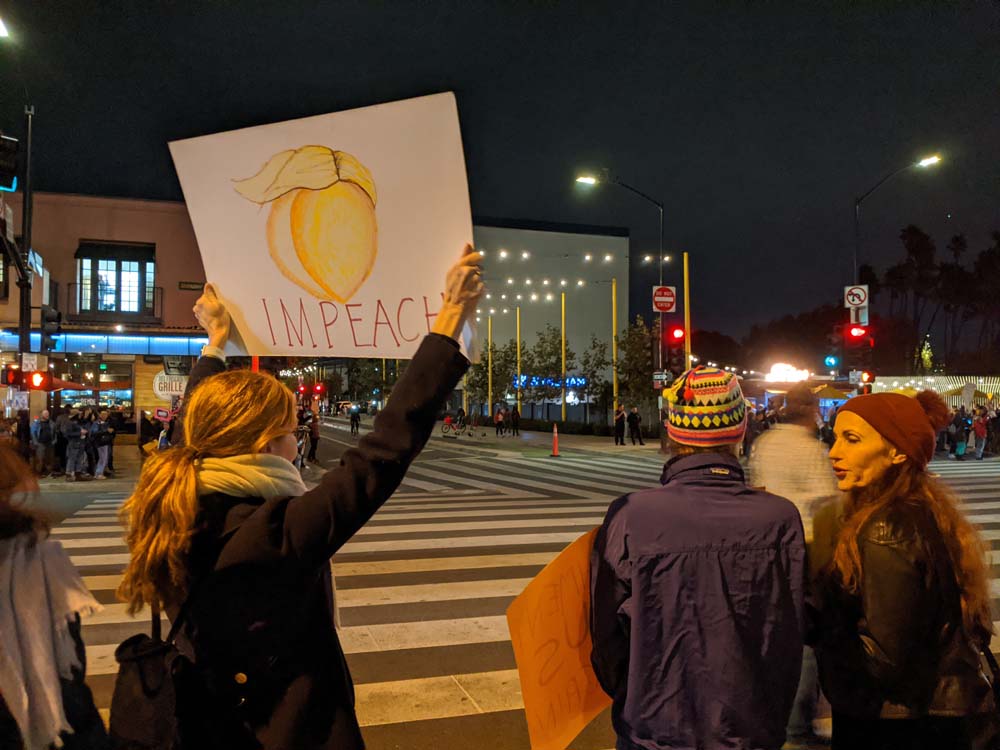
(550, 629)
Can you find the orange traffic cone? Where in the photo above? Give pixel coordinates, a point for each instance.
(555, 441)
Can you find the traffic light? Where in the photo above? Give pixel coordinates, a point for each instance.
(675, 350)
(39, 380)
(858, 343)
(12, 377)
(51, 325)
(8, 164)
(302, 389)
(834, 348)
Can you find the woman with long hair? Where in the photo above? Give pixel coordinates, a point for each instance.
(904, 603)
(44, 701)
(221, 526)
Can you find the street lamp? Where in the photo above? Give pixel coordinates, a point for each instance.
(591, 180)
(928, 161)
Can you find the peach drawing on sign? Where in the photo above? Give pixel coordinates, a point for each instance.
(321, 231)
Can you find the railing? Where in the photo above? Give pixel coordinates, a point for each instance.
(83, 306)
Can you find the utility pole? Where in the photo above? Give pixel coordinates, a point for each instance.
(24, 271)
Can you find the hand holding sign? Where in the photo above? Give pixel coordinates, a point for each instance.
(213, 316)
(463, 286)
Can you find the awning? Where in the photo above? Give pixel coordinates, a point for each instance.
(977, 394)
(67, 385)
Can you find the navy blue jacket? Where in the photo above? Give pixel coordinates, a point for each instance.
(697, 610)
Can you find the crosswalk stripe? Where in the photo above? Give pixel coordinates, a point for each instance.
(533, 523)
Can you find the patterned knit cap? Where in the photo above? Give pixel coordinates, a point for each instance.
(705, 407)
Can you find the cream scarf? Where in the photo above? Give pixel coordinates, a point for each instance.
(263, 475)
(40, 592)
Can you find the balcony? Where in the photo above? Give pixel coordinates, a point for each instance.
(150, 307)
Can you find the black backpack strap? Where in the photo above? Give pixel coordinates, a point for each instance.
(175, 626)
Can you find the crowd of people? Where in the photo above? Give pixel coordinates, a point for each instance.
(723, 602)
(68, 442)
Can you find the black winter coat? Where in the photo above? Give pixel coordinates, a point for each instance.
(261, 618)
(897, 649)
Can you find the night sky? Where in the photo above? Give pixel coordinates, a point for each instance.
(756, 124)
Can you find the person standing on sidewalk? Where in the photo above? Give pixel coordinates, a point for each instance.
(790, 461)
(697, 590)
(76, 436)
(498, 422)
(313, 439)
(42, 440)
(102, 434)
(634, 429)
(979, 431)
(620, 425)
(903, 607)
(515, 421)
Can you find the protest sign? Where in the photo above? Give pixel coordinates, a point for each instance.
(550, 630)
(331, 235)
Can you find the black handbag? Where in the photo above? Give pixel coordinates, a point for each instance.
(144, 702)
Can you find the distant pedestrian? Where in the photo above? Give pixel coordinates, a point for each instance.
(697, 590)
(355, 420)
(102, 434)
(634, 429)
(904, 604)
(790, 461)
(620, 425)
(515, 421)
(498, 422)
(313, 439)
(979, 431)
(223, 526)
(43, 443)
(75, 433)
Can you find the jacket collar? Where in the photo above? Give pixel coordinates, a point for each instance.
(700, 465)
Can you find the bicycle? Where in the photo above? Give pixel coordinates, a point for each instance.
(458, 428)
(301, 438)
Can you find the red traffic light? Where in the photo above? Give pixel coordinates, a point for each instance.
(857, 332)
(676, 333)
(318, 388)
(867, 377)
(40, 381)
(302, 389)
(12, 377)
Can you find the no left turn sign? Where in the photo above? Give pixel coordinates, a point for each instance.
(664, 299)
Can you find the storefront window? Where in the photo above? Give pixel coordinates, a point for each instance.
(107, 285)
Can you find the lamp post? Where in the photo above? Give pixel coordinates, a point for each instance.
(563, 379)
(21, 263)
(519, 383)
(606, 176)
(922, 164)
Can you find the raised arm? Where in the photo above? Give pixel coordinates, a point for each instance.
(315, 525)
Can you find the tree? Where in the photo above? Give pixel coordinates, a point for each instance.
(546, 357)
(363, 378)
(635, 364)
(594, 363)
(334, 385)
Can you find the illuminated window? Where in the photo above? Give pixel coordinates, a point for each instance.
(114, 277)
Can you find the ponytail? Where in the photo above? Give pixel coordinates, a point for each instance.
(159, 517)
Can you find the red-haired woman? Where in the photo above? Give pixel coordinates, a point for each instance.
(904, 606)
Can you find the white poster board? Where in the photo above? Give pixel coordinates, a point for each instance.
(331, 235)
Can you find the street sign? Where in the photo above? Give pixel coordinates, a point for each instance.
(664, 299)
(859, 316)
(29, 362)
(661, 375)
(856, 296)
(854, 377)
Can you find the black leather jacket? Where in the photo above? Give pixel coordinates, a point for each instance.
(897, 647)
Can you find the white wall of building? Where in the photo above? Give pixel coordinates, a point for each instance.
(538, 265)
